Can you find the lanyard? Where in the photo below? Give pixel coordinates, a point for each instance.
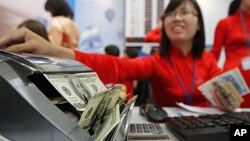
(188, 96)
(244, 28)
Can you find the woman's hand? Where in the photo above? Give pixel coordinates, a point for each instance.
(222, 102)
(25, 41)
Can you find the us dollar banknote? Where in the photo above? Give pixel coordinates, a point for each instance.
(87, 84)
(89, 116)
(62, 85)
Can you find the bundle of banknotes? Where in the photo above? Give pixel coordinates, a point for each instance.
(107, 129)
(231, 84)
(101, 108)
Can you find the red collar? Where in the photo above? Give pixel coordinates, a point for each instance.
(177, 52)
(244, 13)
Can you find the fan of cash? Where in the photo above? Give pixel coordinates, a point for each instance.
(231, 84)
(101, 108)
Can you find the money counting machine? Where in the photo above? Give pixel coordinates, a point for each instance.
(27, 112)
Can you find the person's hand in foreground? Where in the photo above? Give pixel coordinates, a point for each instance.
(25, 41)
(222, 102)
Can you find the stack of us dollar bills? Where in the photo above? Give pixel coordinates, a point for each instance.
(101, 108)
(103, 113)
(231, 84)
(77, 89)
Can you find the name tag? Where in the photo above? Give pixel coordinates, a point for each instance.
(246, 63)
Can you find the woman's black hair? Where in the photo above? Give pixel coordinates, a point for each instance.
(233, 7)
(59, 8)
(36, 27)
(199, 38)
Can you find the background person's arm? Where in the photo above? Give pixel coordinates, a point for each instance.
(219, 39)
(153, 35)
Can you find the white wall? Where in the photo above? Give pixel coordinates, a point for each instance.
(13, 12)
(213, 11)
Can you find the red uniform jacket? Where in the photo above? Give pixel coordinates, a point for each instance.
(229, 34)
(166, 88)
(153, 35)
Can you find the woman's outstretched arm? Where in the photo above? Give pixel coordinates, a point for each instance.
(109, 69)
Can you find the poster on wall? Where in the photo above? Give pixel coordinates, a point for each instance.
(101, 23)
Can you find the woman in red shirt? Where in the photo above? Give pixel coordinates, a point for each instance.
(174, 73)
(232, 33)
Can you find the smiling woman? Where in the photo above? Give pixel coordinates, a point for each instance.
(175, 73)
(184, 23)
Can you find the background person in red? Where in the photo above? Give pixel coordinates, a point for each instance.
(233, 33)
(174, 73)
(154, 35)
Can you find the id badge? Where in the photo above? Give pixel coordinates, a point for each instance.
(246, 63)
